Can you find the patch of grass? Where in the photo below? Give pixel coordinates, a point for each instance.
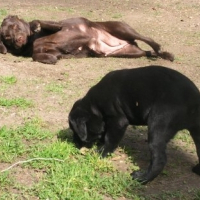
(5, 180)
(33, 130)
(117, 16)
(18, 102)
(55, 8)
(14, 141)
(67, 172)
(197, 196)
(87, 175)
(55, 87)
(8, 79)
(11, 145)
(6, 82)
(3, 13)
(184, 136)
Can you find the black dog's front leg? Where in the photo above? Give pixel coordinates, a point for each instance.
(114, 133)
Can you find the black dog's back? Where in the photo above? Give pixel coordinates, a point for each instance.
(146, 86)
(153, 78)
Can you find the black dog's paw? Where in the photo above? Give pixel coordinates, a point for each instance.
(102, 152)
(35, 26)
(196, 169)
(140, 176)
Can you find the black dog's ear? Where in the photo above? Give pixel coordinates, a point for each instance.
(79, 126)
(96, 123)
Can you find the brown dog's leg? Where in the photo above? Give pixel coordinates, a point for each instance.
(45, 58)
(3, 49)
(123, 31)
(132, 51)
(38, 25)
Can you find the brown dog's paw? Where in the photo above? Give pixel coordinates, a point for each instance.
(35, 26)
(166, 55)
(3, 49)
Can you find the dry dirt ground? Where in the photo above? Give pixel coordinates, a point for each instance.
(174, 24)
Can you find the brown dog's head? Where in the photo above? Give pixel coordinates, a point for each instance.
(14, 32)
(86, 123)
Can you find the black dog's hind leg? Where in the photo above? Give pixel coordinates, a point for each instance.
(114, 133)
(195, 133)
(158, 137)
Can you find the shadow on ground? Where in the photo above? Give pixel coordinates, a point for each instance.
(176, 175)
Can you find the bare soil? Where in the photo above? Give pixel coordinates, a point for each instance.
(173, 24)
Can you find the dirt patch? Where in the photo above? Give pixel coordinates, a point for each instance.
(174, 24)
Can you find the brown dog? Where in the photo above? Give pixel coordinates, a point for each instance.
(74, 37)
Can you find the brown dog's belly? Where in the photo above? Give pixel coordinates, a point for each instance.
(104, 43)
(82, 41)
(95, 40)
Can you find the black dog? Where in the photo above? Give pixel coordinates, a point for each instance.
(156, 96)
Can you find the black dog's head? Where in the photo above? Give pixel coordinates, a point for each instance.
(86, 123)
(14, 32)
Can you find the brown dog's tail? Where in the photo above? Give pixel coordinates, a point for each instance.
(166, 55)
(162, 54)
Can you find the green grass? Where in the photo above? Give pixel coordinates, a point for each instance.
(184, 136)
(79, 177)
(11, 145)
(8, 79)
(18, 102)
(3, 13)
(14, 141)
(56, 87)
(65, 172)
(117, 16)
(6, 82)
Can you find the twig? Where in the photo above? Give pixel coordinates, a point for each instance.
(30, 160)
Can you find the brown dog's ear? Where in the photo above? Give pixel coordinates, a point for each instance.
(80, 128)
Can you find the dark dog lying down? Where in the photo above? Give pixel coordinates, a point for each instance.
(161, 98)
(74, 37)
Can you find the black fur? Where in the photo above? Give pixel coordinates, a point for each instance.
(161, 98)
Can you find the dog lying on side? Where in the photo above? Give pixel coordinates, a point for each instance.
(161, 98)
(48, 41)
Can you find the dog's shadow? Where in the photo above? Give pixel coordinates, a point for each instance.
(181, 157)
(135, 146)
(65, 135)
